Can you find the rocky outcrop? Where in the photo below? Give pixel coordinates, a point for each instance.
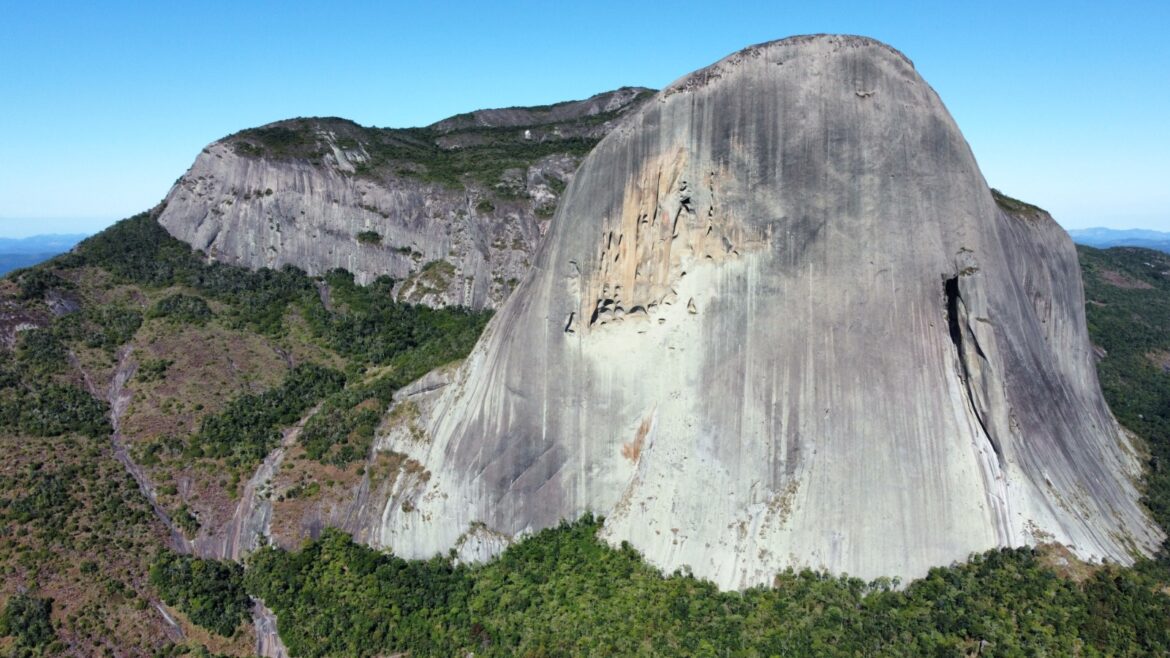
(587, 119)
(453, 212)
(781, 321)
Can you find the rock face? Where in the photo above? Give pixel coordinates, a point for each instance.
(453, 212)
(780, 320)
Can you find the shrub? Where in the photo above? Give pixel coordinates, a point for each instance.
(209, 592)
(53, 410)
(40, 353)
(29, 619)
(150, 370)
(106, 327)
(183, 309)
(249, 428)
(369, 237)
(36, 281)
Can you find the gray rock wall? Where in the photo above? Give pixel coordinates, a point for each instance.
(260, 212)
(779, 320)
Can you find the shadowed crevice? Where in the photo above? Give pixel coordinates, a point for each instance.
(967, 370)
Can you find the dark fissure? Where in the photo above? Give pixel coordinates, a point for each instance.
(951, 289)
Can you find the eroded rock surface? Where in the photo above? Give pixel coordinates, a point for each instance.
(453, 212)
(780, 320)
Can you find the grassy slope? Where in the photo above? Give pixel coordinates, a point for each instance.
(205, 355)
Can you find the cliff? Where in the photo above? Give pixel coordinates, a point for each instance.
(781, 321)
(453, 212)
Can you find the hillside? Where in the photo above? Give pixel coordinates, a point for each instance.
(1127, 294)
(68, 495)
(133, 363)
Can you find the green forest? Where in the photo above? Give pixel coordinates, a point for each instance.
(563, 592)
(1131, 323)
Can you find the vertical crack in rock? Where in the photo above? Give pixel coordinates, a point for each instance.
(964, 342)
(951, 291)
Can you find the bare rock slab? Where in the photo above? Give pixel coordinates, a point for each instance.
(780, 321)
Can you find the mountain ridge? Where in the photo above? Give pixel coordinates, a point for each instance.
(451, 213)
(1102, 237)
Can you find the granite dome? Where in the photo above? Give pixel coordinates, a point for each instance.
(780, 320)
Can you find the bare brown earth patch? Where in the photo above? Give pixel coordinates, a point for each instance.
(305, 492)
(633, 450)
(1160, 359)
(206, 368)
(1119, 280)
(1065, 563)
(308, 496)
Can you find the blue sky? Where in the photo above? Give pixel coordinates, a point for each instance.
(104, 104)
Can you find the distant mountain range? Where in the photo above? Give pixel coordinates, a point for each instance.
(16, 253)
(1104, 238)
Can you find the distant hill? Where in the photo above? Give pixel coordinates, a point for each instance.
(16, 253)
(10, 262)
(1103, 238)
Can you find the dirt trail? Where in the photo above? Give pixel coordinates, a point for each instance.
(174, 630)
(247, 528)
(119, 398)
